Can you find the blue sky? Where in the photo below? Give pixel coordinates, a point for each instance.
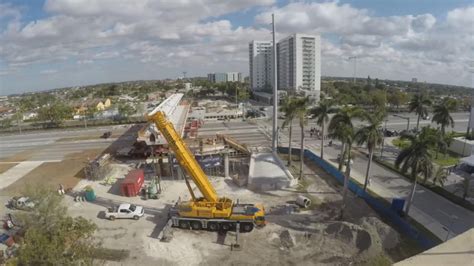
(58, 43)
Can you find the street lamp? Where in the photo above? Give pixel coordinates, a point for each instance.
(355, 66)
(404, 117)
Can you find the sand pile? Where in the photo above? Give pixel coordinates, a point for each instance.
(389, 237)
(334, 242)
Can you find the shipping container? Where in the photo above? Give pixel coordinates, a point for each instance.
(133, 182)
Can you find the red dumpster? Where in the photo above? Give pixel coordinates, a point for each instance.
(131, 185)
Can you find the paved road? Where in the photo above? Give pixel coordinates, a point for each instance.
(54, 144)
(433, 211)
(396, 123)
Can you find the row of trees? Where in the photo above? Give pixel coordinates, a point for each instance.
(365, 93)
(416, 157)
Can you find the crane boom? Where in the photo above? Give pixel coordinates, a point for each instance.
(184, 156)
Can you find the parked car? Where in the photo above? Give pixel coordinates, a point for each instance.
(21, 203)
(125, 211)
(106, 135)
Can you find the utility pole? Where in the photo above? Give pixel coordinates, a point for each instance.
(275, 90)
(355, 67)
(184, 74)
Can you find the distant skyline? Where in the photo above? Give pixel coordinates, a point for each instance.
(62, 43)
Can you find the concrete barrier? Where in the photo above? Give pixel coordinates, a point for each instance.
(462, 146)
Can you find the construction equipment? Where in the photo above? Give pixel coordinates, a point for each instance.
(234, 144)
(210, 211)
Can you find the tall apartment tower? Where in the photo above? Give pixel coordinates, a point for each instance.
(261, 65)
(299, 64)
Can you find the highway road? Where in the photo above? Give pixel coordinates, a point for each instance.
(461, 120)
(53, 145)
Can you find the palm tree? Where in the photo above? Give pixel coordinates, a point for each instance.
(419, 104)
(441, 115)
(372, 135)
(321, 113)
(340, 124)
(417, 157)
(288, 108)
(348, 132)
(440, 176)
(301, 106)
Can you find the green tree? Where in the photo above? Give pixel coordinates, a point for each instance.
(419, 104)
(397, 98)
(125, 110)
(440, 176)
(6, 123)
(441, 114)
(301, 107)
(288, 109)
(340, 125)
(55, 113)
(417, 157)
(52, 237)
(379, 99)
(349, 139)
(370, 134)
(321, 113)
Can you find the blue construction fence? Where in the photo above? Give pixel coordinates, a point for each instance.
(378, 205)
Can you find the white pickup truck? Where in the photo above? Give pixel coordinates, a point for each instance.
(124, 211)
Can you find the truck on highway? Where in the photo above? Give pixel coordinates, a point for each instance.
(125, 211)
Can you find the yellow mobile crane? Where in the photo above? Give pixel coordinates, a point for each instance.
(207, 212)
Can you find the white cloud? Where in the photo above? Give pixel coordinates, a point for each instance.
(191, 35)
(49, 71)
(402, 46)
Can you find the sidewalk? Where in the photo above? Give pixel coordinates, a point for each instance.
(437, 214)
(453, 183)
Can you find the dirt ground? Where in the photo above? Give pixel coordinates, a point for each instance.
(19, 157)
(292, 236)
(67, 172)
(5, 166)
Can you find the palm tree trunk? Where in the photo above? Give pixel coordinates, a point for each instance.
(369, 164)
(290, 129)
(346, 181)
(302, 152)
(418, 122)
(341, 160)
(322, 141)
(466, 183)
(412, 192)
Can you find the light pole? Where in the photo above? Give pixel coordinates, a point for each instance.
(275, 91)
(355, 67)
(405, 117)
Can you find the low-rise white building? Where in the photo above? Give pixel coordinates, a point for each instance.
(201, 113)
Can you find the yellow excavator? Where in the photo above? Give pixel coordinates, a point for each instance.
(209, 211)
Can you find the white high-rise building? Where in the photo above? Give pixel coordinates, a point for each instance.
(261, 65)
(299, 64)
(234, 76)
